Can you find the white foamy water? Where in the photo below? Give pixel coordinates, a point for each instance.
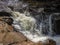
(35, 38)
(25, 21)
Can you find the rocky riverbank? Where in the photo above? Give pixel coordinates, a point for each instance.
(8, 35)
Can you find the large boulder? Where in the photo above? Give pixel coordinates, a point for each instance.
(14, 37)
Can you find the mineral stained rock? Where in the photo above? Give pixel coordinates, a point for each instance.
(2, 37)
(13, 37)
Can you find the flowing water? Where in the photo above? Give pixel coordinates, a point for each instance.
(28, 26)
(36, 28)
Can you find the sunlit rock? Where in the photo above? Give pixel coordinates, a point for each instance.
(14, 37)
(2, 36)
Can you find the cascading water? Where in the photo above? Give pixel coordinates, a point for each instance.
(28, 26)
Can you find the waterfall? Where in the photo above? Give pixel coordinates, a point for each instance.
(27, 25)
(21, 22)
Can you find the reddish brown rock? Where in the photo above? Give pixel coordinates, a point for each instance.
(4, 27)
(2, 35)
(39, 43)
(47, 42)
(24, 43)
(14, 37)
(28, 43)
(10, 28)
(9, 37)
